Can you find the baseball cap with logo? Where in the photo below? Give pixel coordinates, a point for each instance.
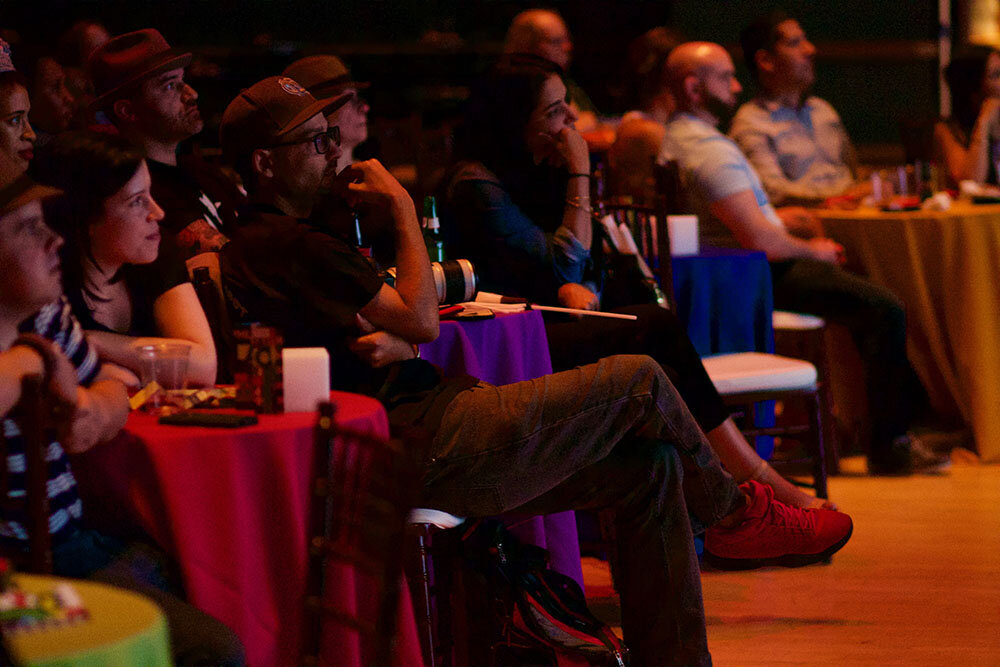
(264, 113)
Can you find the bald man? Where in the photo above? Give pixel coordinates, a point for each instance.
(734, 210)
(543, 33)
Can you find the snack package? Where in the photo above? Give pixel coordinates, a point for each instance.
(257, 373)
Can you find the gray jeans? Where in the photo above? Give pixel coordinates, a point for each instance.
(612, 434)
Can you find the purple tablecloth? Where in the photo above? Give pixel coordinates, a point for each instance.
(507, 349)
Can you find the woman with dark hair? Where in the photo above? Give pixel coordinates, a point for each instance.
(128, 286)
(17, 139)
(968, 143)
(518, 206)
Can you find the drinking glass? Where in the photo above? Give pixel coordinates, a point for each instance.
(167, 365)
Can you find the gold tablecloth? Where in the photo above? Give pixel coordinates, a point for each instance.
(945, 266)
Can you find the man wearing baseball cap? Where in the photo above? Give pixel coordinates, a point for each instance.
(613, 434)
(139, 83)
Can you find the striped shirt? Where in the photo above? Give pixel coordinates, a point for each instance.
(56, 323)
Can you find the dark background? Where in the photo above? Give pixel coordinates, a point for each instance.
(877, 61)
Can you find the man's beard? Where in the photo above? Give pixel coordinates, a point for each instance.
(178, 128)
(721, 109)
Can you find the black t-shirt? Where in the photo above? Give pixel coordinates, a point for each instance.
(145, 283)
(288, 273)
(199, 203)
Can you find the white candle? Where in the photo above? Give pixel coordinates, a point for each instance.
(306, 377)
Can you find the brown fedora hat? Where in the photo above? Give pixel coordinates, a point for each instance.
(128, 59)
(323, 75)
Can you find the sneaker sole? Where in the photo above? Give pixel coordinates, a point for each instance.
(787, 560)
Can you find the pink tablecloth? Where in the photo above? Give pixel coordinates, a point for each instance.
(232, 506)
(507, 349)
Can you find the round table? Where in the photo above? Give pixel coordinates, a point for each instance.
(123, 628)
(231, 506)
(724, 297)
(945, 266)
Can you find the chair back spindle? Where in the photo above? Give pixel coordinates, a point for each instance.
(363, 487)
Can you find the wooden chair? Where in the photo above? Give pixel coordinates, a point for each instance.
(745, 379)
(363, 488)
(804, 337)
(38, 423)
(648, 227)
(431, 567)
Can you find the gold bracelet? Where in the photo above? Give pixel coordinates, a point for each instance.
(582, 203)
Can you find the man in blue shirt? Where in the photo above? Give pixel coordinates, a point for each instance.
(727, 194)
(795, 141)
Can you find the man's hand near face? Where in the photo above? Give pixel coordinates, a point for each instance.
(369, 182)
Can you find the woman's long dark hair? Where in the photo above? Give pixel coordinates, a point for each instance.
(89, 167)
(493, 134)
(965, 75)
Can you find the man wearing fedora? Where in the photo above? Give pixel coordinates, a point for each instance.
(139, 82)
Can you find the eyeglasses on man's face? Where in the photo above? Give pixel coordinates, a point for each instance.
(322, 142)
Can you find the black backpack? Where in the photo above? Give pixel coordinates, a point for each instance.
(544, 616)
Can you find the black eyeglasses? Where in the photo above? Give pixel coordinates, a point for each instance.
(322, 142)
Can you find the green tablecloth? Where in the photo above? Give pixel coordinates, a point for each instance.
(124, 629)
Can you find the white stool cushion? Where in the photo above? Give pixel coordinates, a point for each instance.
(782, 319)
(436, 517)
(755, 371)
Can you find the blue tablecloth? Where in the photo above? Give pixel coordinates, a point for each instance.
(724, 295)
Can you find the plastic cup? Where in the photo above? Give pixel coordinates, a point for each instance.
(166, 364)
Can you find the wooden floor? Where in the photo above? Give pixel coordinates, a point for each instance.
(918, 584)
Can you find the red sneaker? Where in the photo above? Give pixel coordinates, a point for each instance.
(772, 533)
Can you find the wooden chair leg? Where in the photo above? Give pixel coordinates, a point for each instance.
(831, 446)
(818, 450)
(419, 578)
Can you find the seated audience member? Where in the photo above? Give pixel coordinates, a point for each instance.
(968, 143)
(17, 139)
(51, 102)
(734, 210)
(631, 157)
(517, 207)
(623, 433)
(327, 76)
(75, 46)
(611, 434)
(795, 141)
(543, 33)
(127, 286)
(39, 335)
(139, 82)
